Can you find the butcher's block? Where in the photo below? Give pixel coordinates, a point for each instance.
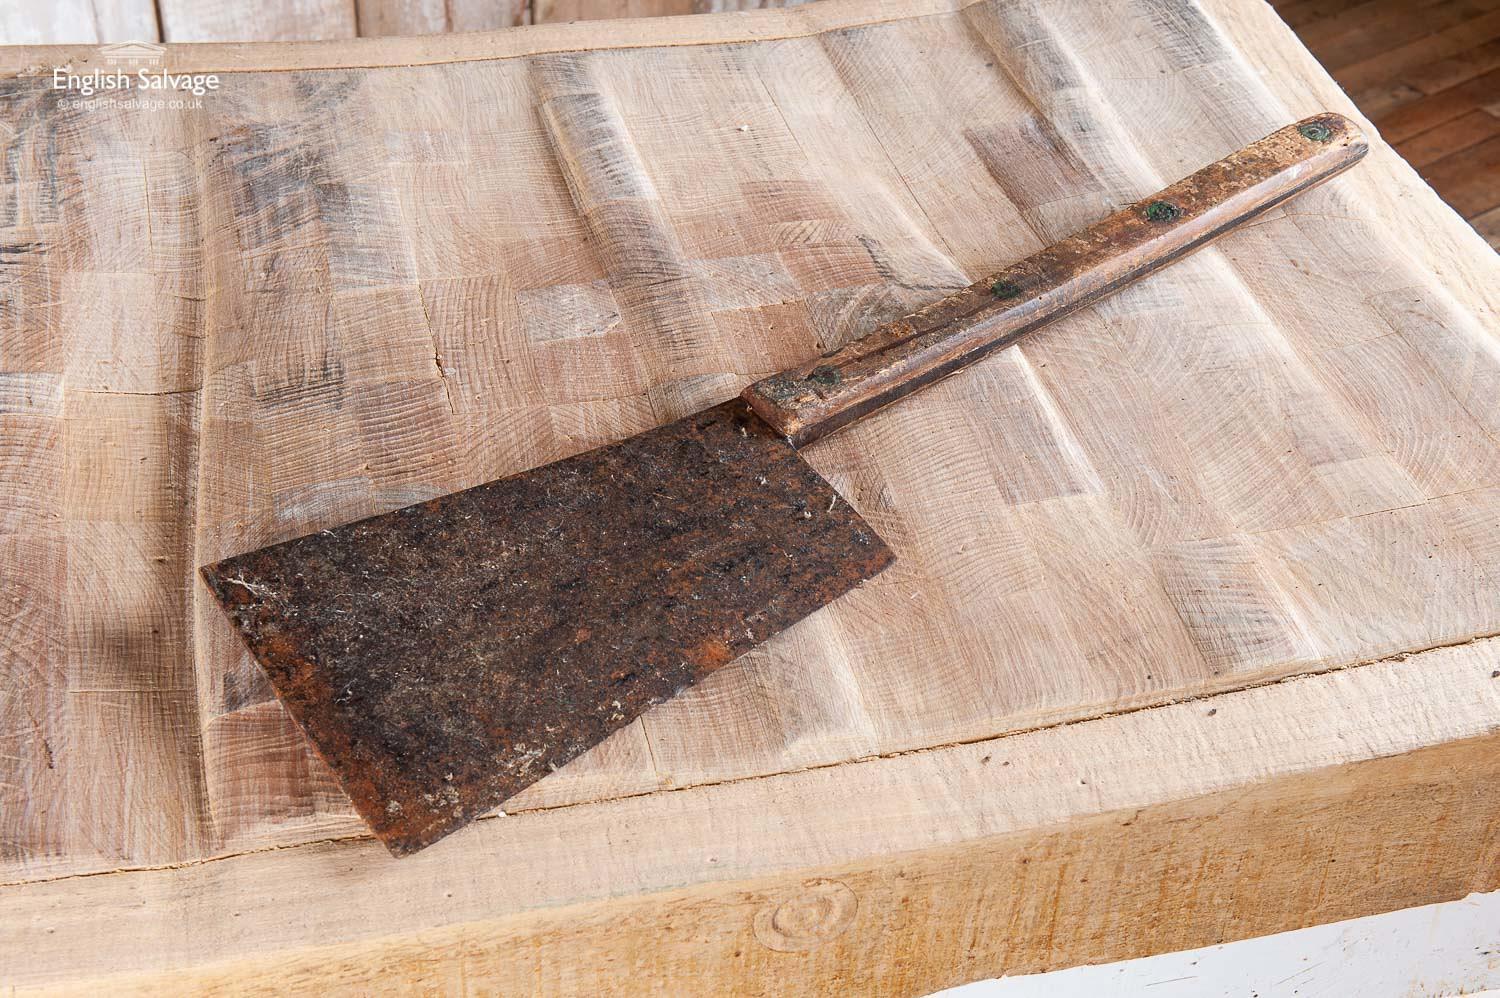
(1192, 631)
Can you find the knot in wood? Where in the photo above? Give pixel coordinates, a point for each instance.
(800, 919)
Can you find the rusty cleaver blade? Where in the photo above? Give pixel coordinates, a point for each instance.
(445, 656)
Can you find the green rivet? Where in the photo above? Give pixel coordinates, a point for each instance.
(1005, 289)
(825, 375)
(1316, 131)
(1162, 211)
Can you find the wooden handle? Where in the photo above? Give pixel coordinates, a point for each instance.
(894, 360)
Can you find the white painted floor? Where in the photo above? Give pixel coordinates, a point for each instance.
(1442, 949)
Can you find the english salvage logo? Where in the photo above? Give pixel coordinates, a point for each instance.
(135, 67)
(133, 54)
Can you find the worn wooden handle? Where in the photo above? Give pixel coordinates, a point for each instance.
(811, 401)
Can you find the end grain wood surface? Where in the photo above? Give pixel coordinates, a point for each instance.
(1425, 73)
(368, 273)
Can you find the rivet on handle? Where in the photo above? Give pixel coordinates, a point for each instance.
(1316, 131)
(1005, 289)
(1162, 211)
(825, 374)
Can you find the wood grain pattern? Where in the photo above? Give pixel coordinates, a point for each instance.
(433, 17)
(363, 275)
(284, 20)
(552, 11)
(53, 22)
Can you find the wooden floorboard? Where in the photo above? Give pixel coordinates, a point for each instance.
(1441, 108)
(1427, 73)
(1488, 225)
(1417, 54)
(1471, 178)
(1436, 144)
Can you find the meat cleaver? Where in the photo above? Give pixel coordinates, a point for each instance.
(445, 656)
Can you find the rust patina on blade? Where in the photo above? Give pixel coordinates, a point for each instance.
(445, 656)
